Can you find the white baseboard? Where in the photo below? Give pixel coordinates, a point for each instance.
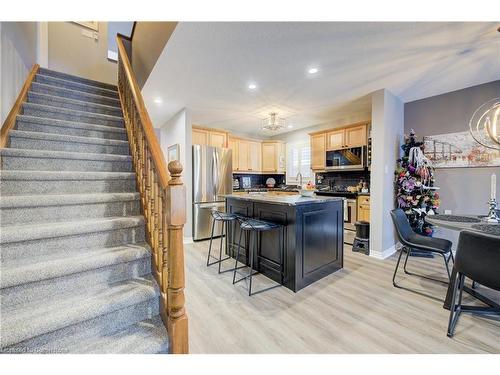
(383, 254)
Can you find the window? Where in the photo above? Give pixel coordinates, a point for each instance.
(298, 160)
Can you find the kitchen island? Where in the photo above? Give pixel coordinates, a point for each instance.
(312, 235)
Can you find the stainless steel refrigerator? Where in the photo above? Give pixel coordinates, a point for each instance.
(212, 179)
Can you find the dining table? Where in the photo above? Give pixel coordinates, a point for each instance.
(459, 223)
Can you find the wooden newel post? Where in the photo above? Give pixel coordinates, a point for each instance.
(177, 321)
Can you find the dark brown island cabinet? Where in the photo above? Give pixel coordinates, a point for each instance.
(311, 237)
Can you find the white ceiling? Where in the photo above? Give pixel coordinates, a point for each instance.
(207, 67)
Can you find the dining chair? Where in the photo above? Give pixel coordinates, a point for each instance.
(414, 241)
(478, 258)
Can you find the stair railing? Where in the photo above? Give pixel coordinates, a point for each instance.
(10, 120)
(163, 201)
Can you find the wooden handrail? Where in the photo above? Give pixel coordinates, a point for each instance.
(10, 121)
(155, 149)
(163, 201)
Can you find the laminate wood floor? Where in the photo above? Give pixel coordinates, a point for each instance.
(355, 310)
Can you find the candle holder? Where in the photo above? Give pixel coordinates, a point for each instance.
(492, 216)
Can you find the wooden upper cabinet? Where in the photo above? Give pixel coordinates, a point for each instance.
(355, 136)
(269, 157)
(335, 139)
(255, 156)
(243, 155)
(352, 136)
(217, 139)
(209, 137)
(318, 151)
(232, 144)
(200, 137)
(273, 156)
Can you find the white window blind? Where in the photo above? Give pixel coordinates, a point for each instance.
(298, 160)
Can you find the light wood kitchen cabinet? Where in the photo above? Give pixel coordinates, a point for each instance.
(318, 151)
(199, 137)
(351, 136)
(232, 144)
(273, 156)
(255, 156)
(335, 139)
(355, 136)
(243, 155)
(364, 208)
(217, 139)
(209, 137)
(246, 155)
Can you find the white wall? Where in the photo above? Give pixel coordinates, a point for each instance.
(178, 130)
(42, 44)
(387, 136)
(17, 55)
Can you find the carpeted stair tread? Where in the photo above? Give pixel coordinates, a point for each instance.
(68, 114)
(22, 182)
(33, 140)
(30, 232)
(49, 154)
(76, 86)
(68, 138)
(17, 201)
(36, 140)
(73, 94)
(31, 320)
(51, 160)
(145, 337)
(71, 124)
(64, 175)
(70, 77)
(23, 271)
(68, 103)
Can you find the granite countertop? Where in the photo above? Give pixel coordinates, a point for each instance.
(288, 200)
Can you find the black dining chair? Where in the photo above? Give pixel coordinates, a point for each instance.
(414, 241)
(478, 258)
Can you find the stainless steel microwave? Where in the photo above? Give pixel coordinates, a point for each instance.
(353, 158)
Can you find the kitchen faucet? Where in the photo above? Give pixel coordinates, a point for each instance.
(299, 178)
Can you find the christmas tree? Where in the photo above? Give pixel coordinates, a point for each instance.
(415, 192)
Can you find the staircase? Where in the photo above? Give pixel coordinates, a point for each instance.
(76, 271)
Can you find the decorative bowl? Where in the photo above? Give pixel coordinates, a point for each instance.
(306, 192)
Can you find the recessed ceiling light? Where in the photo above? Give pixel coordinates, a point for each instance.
(158, 100)
(313, 70)
(252, 86)
(290, 126)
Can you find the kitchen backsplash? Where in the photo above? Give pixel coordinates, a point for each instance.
(259, 181)
(344, 178)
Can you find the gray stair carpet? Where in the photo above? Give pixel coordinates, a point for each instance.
(75, 268)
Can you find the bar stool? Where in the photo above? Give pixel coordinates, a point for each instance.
(250, 226)
(225, 218)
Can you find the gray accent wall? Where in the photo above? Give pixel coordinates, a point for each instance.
(463, 190)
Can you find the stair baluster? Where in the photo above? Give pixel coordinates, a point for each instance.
(163, 202)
